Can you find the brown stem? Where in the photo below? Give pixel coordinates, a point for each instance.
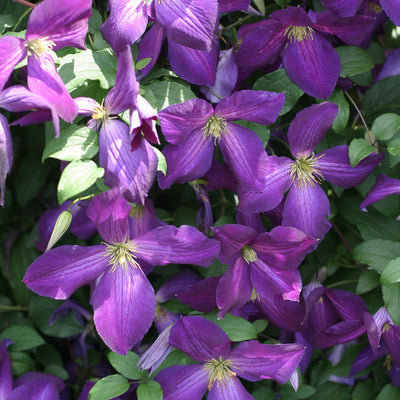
(340, 234)
(25, 3)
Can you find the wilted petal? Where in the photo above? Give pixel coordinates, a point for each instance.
(384, 186)
(234, 287)
(191, 23)
(169, 244)
(309, 127)
(183, 382)
(392, 10)
(336, 168)
(313, 65)
(195, 66)
(12, 51)
(124, 304)
(200, 338)
(307, 209)
(61, 271)
(132, 171)
(257, 106)
(6, 155)
(110, 211)
(231, 389)
(255, 361)
(44, 80)
(126, 23)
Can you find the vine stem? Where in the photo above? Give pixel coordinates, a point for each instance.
(13, 308)
(25, 3)
(358, 111)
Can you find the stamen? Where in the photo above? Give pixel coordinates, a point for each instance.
(218, 371)
(305, 172)
(297, 33)
(248, 254)
(214, 128)
(254, 296)
(36, 47)
(121, 254)
(388, 363)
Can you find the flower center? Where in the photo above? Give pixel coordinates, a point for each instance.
(214, 128)
(218, 371)
(254, 295)
(248, 254)
(121, 254)
(298, 33)
(375, 7)
(305, 172)
(137, 211)
(36, 47)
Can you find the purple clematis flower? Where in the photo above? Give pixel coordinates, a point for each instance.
(309, 58)
(259, 264)
(219, 365)
(123, 299)
(193, 128)
(52, 25)
(307, 206)
(131, 171)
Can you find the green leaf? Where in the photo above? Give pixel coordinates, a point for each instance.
(24, 337)
(75, 143)
(225, 219)
(391, 273)
(149, 391)
(393, 147)
(260, 5)
(109, 387)
(340, 122)
(363, 390)
(7, 21)
(358, 150)
(237, 329)
(76, 178)
(376, 253)
(126, 365)
(56, 370)
(162, 162)
(261, 130)
(166, 93)
(391, 297)
(142, 63)
(354, 60)
(260, 325)
(21, 363)
(75, 69)
(279, 82)
(367, 281)
(386, 126)
(389, 392)
(61, 226)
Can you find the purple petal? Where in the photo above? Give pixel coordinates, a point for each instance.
(126, 23)
(191, 23)
(110, 211)
(187, 161)
(392, 10)
(12, 51)
(234, 287)
(200, 338)
(344, 8)
(391, 335)
(365, 358)
(277, 181)
(349, 305)
(384, 186)
(226, 6)
(123, 95)
(313, 65)
(336, 168)
(183, 245)
(6, 378)
(6, 155)
(183, 382)
(65, 22)
(132, 171)
(124, 304)
(86, 105)
(255, 361)
(307, 209)
(61, 271)
(391, 66)
(231, 389)
(244, 152)
(44, 80)
(309, 127)
(195, 66)
(233, 238)
(40, 389)
(179, 120)
(258, 106)
(38, 117)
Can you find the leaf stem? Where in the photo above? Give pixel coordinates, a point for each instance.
(21, 18)
(25, 3)
(358, 110)
(5, 308)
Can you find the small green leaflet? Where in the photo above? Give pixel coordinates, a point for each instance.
(61, 226)
(149, 391)
(109, 387)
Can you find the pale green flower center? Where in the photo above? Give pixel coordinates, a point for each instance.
(215, 127)
(36, 47)
(121, 255)
(137, 211)
(298, 33)
(375, 7)
(248, 254)
(304, 171)
(218, 371)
